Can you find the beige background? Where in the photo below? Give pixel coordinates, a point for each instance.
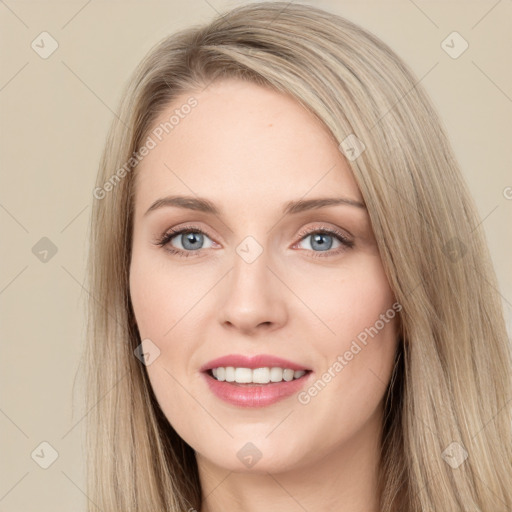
(54, 117)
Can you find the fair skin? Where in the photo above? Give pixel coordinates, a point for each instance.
(250, 150)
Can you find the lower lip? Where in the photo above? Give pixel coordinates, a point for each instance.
(255, 395)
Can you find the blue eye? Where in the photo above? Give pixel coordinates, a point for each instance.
(322, 240)
(191, 239)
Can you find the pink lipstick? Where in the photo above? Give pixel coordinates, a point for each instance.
(263, 379)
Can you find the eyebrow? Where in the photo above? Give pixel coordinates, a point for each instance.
(204, 205)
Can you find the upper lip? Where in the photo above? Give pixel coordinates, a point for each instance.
(256, 361)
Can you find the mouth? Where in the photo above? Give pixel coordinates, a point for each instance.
(250, 394)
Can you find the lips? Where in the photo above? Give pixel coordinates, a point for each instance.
(256, 361)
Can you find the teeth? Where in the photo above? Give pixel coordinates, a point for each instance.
(256, 376)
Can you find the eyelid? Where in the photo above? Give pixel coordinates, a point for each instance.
(170, 233)
(330, 230)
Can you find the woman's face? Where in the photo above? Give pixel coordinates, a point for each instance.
(258, 278)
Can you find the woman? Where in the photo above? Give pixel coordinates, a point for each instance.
(292, 304)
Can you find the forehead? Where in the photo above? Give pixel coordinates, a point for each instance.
(242, 140)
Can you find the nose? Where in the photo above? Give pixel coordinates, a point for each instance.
(254, 298)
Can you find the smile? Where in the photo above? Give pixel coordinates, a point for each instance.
(244, 391)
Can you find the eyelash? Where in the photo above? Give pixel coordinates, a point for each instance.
(171, 233)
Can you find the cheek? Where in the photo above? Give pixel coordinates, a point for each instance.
(161, 314)
(167, 307)
(359, 336)
(349, 299)
(158, 297)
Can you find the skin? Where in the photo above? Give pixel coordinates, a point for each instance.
(240, 144)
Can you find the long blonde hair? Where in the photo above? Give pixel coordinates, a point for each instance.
(447, 434)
